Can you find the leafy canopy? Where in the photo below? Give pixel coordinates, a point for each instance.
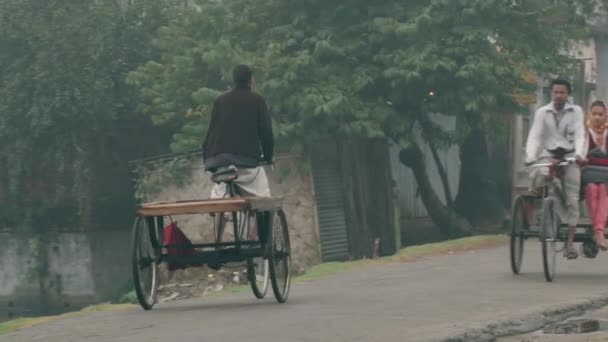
(359, 67)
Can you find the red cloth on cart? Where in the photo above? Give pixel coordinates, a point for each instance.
(172, 235)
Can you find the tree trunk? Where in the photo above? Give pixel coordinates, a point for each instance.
(478, 198)
(427, 128)
(449, 222)
(443, 175)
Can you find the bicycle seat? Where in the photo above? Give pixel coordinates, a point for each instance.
(225, 174)
(560, 153)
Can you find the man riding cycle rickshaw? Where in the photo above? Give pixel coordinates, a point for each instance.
(558, 133)
(240, 136)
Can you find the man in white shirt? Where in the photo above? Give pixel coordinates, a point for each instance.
(558, 132)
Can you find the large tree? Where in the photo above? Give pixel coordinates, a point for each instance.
(375, 69)
(65, 109)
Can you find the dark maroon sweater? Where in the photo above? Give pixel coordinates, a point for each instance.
(240, 125)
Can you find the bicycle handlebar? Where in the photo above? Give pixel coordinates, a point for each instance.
(568, 161)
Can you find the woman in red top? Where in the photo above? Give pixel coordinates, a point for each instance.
(595, 175)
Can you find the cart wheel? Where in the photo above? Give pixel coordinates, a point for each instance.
(258, 275)
(518, 226)
(549, 239)
(280, 256)
(257, 268)
(145, 268)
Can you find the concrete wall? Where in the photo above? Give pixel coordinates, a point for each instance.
(57, 272)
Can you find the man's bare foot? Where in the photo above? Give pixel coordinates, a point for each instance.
(570, 252)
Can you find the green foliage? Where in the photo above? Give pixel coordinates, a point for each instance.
(127, 298)
(72, 73)
(63, 95)
(360, 68)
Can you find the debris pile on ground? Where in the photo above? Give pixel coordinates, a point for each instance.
(199, 282)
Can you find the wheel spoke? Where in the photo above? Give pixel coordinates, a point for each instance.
(257, 268)
(144, 265)
(280, 257)
(518, 227)
(549, 239)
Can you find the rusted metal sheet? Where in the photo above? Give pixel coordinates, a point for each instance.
(330, 203)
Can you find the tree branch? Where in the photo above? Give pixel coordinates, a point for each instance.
(426, 127)
(449, 200)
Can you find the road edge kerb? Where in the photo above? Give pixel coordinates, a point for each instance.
(529, 323)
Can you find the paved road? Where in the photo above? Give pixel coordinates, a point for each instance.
(429, 299)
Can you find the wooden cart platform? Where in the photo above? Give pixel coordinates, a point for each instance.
(267, 252)
(208, 206)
